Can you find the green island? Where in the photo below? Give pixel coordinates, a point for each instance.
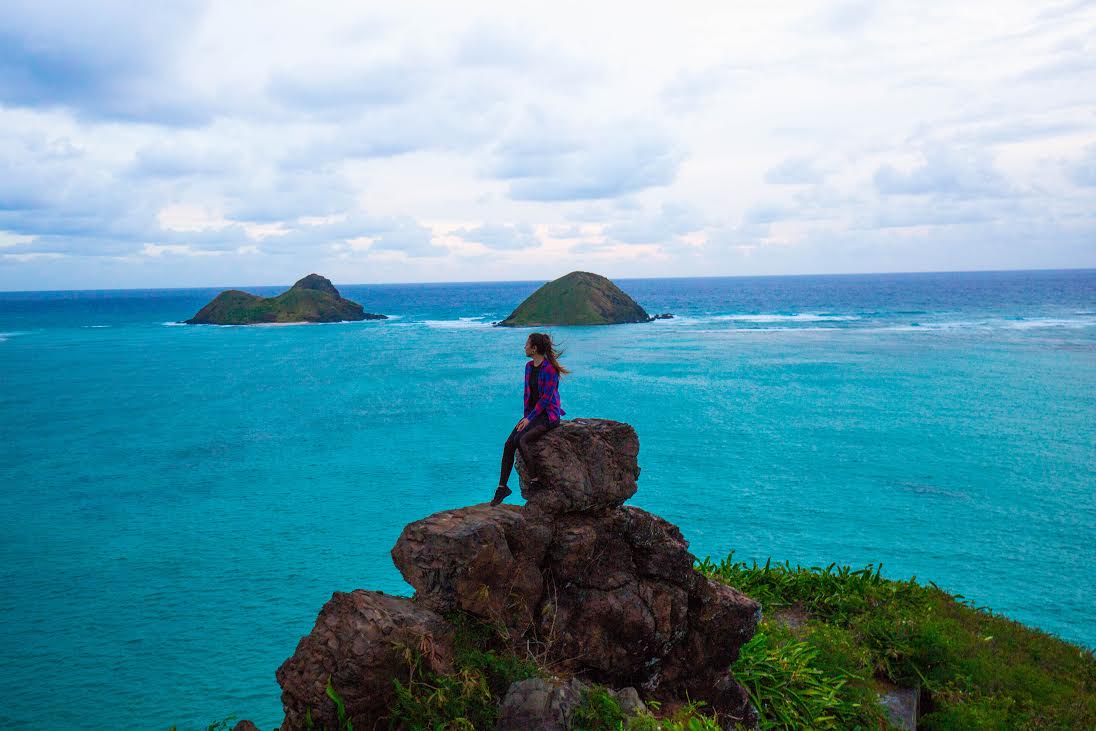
(578, 298)
(312, 299)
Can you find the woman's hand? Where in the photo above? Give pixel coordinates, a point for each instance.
(522, 424)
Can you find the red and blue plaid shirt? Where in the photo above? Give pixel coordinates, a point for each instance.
(548, 384)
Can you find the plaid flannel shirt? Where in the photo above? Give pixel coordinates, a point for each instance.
(548, 383)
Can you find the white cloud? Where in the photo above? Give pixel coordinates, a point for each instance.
(269, 139)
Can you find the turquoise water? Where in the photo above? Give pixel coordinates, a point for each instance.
(178, 502)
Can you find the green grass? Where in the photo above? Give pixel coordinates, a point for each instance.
(468, 698)
(977, 670)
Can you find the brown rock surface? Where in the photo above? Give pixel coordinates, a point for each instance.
(361, 641)
(482, 560)
(583, 465)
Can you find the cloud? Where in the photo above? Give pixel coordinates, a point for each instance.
(957, 174)
(251, 137)
(339, 90)
(795, 171)
(662, 227)
(550, 160)
(1083, 171)
(104, 60)
(411, 238)
(500, 236)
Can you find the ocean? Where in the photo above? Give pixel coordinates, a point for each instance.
(178, 502)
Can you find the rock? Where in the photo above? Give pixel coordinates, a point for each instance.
(540, 704)
(901, 706)
(361, 641)
(311, 299)
(577, 580)
(629, 701)
(578, 298)
(721, 620)
(617, 593)
(245, 725)
(583, 465)
(663, 316)
(482, 560)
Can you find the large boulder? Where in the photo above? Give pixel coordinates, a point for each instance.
(481, 560)
(582, 465)
(361, 641)
(592, 588)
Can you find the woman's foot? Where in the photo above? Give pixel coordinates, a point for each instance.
(500, 494)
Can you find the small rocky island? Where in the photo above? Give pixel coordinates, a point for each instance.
(578, 298)
(312, 299)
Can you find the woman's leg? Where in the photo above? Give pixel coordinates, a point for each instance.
(532, 433)
(508, 457)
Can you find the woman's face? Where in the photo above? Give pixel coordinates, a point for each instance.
(529, 349)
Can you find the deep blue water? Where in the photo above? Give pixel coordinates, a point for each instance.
(178, 502)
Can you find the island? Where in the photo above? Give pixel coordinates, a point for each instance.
(578, 298)
(312, 299)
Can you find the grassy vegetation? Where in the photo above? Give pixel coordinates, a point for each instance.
(468, 698)
(977, 670)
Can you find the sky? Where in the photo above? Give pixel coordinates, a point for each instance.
(194, 143)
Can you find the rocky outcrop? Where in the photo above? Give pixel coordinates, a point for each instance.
(498, 553)
(312, 299)
(584, 465)
(578, 298)
(361, 641)
(599, 590)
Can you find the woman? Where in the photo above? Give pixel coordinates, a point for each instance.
(542, 409)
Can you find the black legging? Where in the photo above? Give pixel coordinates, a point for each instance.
(537, 428)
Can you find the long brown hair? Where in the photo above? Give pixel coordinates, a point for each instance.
(542, 343)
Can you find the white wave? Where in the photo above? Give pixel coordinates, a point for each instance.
(802, 317)
(462, 323)
(1048, 322)
(95, 326)
(173, 324)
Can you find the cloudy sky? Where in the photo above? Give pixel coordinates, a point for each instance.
(243, 143)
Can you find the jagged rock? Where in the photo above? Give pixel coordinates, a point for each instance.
(629, 701)
(901, 706)
(482, 560)
(539, 704)
(361, 641)
(245, 725)
(612, 608)
(583, 465)
(721, 620)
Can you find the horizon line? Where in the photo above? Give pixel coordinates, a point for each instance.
(517, 281)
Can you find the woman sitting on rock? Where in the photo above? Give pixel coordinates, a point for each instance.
(542, 408)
